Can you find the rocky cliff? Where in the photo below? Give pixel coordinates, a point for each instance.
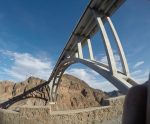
(73, 93)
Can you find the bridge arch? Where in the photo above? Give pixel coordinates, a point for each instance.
(96, 14)
(93, 19)
(122, 84)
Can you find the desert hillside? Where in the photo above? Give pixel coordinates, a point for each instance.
(73, 93)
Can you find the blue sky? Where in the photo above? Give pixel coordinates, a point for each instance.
(34, 32)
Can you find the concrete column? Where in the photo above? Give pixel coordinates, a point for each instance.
(76, 55)
(120, 49)
(109, 51)
(50, 91)
(80, 50)
(90, 49)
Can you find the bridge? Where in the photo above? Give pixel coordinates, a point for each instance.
(97, 13)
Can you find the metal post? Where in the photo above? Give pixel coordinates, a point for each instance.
(90, 49)
(109, 51)
(120, 49)
(80, 50)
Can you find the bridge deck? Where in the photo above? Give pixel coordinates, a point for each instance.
(87, 25)
(96, 13)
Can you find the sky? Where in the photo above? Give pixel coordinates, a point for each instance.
(33, 33)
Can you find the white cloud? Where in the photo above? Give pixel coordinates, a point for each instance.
(103, 58)
(137, 72)
(140, 76)
(138, 64)
(25, 65)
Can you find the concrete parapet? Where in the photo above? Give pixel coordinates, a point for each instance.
(44, 115)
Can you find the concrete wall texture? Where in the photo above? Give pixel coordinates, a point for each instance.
(44, 115)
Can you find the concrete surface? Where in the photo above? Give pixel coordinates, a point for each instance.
(44, 115)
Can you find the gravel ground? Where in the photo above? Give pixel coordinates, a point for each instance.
(113, 121)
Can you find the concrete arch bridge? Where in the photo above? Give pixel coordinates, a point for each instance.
(96, 14)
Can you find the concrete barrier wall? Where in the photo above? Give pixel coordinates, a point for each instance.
(44, 115)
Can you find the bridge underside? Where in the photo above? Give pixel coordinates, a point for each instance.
(119, 80)
(96, 14)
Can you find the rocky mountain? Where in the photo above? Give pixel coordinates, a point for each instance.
(73, 93)
(114, 93)
(6, 88)
(10, 89)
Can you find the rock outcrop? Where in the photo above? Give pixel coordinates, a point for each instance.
(73, 93)
(82, 101)
(6, 88)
